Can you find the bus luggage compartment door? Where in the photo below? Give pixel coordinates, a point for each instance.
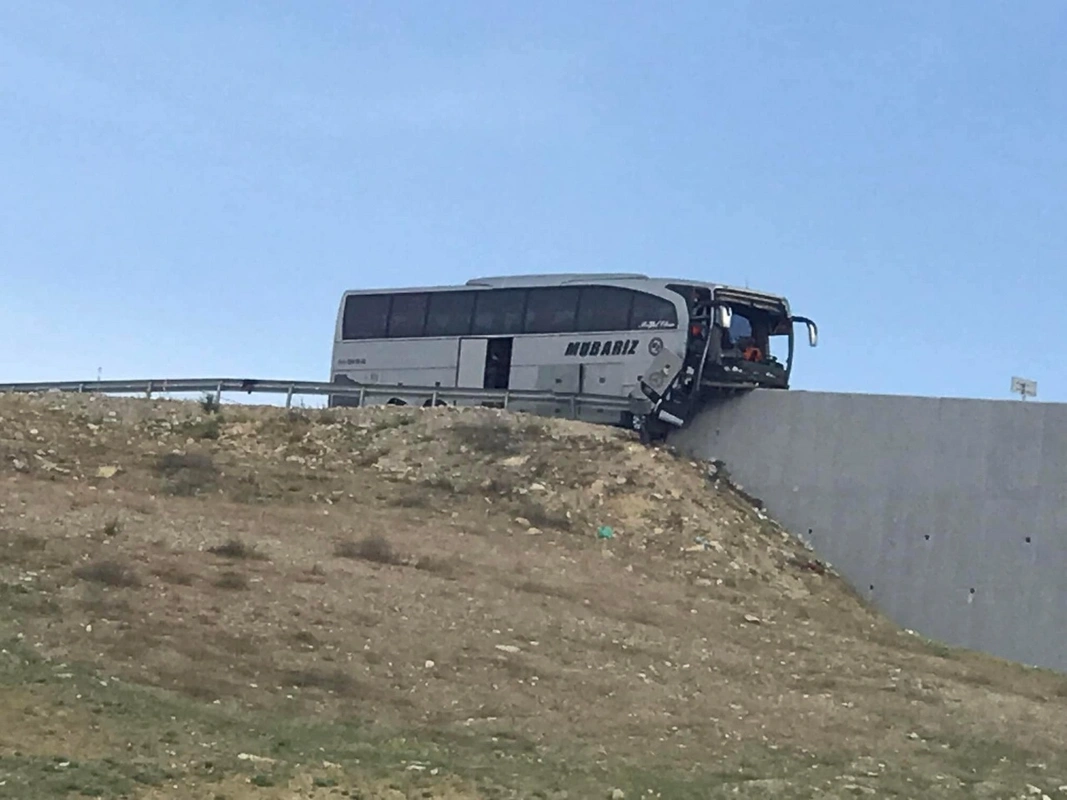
(470, 373)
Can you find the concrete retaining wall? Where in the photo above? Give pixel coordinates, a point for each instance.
(950, 515)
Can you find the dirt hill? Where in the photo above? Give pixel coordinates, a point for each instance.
(402, 603)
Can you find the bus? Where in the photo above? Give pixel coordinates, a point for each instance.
(667, 345)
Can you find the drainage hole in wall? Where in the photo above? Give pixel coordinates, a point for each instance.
(1028, 540)
(927, 537)
(871, 587)
(972, 590)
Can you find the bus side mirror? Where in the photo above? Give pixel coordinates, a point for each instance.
(724, 316)
(813, 330)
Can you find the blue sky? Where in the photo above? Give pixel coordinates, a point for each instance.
(187, 188)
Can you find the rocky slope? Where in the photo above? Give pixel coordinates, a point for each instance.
(481, 574)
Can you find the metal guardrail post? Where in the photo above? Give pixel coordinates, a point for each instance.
(218, 395)
(362, 396)
(148, 391)
(289, 397)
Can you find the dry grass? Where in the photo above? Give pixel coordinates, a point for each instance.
(238, 550)
(232, 581)
(187, 474)
(109, 573)
(373, 547)
(492, 439)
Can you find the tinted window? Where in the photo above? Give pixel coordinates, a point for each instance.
(650, 311)
(450, 314)
(408, 317)
(365, 316)
(552, 310)
(499, 311)
(604, 308)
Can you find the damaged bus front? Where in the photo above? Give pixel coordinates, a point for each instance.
(737, 340)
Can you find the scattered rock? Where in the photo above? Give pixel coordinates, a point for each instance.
(508, 648)
(255, 759)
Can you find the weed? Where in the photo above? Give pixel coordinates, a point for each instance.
(174, 574)
(491, 438)
(234, 581)
(533, 586)
(390, 420)
(238, 550)
(375, 548)
(446, 567)
(19, 544)
(413, 498)
(248, 490)
(306, 638)
(209, 403)
(335, 681)
(112, 527)
(186, 474)
(109, 573)
(209, 428)
(298, 416)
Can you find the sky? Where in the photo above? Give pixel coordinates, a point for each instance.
(186, 189)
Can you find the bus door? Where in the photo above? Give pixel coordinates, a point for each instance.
(484, 363)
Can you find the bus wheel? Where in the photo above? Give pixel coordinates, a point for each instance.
(437, 404)
(653, 430)
(395, 401)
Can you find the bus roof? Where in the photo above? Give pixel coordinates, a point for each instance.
(564, 278)
(555, 277)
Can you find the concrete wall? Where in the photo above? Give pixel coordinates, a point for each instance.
(950, 515)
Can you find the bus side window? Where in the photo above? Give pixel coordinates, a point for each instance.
(499, 312)
(408, 317)
(552, 310)
(604, 308)
(366, 316)
(651, 312)
(450, 313)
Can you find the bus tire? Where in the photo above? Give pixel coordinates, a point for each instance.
(396, 401)
(653, 430)
(434, 404)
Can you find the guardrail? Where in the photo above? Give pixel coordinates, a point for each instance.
(359, 392)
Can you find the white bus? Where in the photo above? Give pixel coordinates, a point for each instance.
(665, 344)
